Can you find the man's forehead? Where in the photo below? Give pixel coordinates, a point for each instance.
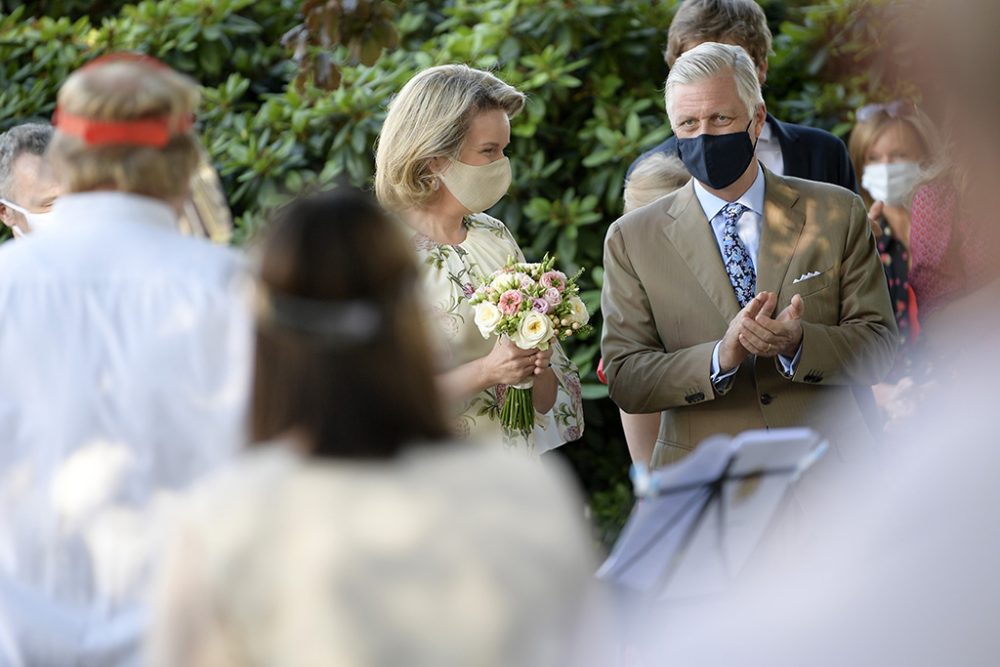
(27, 164)
(718, 91)
(33, 180)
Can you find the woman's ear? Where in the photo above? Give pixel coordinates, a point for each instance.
(438, 165)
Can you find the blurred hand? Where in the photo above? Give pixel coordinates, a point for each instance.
(874, 215)
(897, 401)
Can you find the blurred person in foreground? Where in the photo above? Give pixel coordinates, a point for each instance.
(356, 532)
(744, 300)
(785, 149)
(27, 186)
(126, 358)
(893, 146)
(439, 165)
(653, 177)
(953, 240)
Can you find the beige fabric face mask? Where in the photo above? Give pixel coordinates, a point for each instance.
(478, 187)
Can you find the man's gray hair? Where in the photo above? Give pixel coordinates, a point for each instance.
(31, 138)
(710, 59)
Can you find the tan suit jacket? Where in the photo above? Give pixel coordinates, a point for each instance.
(667, 301)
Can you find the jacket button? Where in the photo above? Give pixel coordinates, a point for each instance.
(765, 399)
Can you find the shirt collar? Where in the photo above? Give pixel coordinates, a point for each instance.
(753, 198)
(766, 133)
(113, 206)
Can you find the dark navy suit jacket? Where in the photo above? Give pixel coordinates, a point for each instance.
(807, 152)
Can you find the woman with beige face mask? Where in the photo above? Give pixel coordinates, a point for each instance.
(440, 164)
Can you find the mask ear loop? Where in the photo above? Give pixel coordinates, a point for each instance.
(15, 231)
(10, 204)
(748, 131)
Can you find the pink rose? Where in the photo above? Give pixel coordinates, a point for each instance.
(553, 296)
(510, 302)
(540, 305)
(556, 279)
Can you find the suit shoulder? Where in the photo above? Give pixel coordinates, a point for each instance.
(821, 190)
(815, 137)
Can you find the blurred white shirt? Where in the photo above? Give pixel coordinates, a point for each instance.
(125, 353)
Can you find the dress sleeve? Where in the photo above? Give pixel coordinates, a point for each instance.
(441, 300)
(564, 422)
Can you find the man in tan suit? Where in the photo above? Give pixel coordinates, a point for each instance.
(745, 299)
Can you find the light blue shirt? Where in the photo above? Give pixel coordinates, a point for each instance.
(748, 228)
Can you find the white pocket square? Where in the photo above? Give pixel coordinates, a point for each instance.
(806, 276)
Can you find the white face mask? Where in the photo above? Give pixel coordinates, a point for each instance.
(36, 221)
(891, 182)
(477, 188)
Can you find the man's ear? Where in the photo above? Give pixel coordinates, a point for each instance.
(759, 118)
(5, 215)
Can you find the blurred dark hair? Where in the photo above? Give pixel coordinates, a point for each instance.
(342, 359)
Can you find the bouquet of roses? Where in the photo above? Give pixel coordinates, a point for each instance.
(532, 304)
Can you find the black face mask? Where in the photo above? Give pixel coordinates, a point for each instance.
(717, 160)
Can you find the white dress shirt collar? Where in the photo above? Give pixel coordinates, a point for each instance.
(766, 133)
(768, 149)
(113, 207)
(753, 198)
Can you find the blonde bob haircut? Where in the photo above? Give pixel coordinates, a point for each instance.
(709, 60)
(866, 132)
(119, 91)
(429, 119)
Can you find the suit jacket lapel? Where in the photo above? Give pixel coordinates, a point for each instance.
(780, 232)
(690, 232)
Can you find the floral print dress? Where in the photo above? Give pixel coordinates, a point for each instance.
(450, 274)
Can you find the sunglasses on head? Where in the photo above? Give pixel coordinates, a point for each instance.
(896, 109)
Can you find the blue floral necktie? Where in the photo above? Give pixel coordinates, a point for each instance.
(735, 256)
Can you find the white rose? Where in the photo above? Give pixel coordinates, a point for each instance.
(578, 311)
(535, 331)
(487, 318)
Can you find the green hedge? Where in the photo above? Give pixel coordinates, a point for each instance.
(593, 71)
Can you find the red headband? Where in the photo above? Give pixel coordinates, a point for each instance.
(155, 132)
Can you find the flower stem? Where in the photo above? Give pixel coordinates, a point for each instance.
(518, 411)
